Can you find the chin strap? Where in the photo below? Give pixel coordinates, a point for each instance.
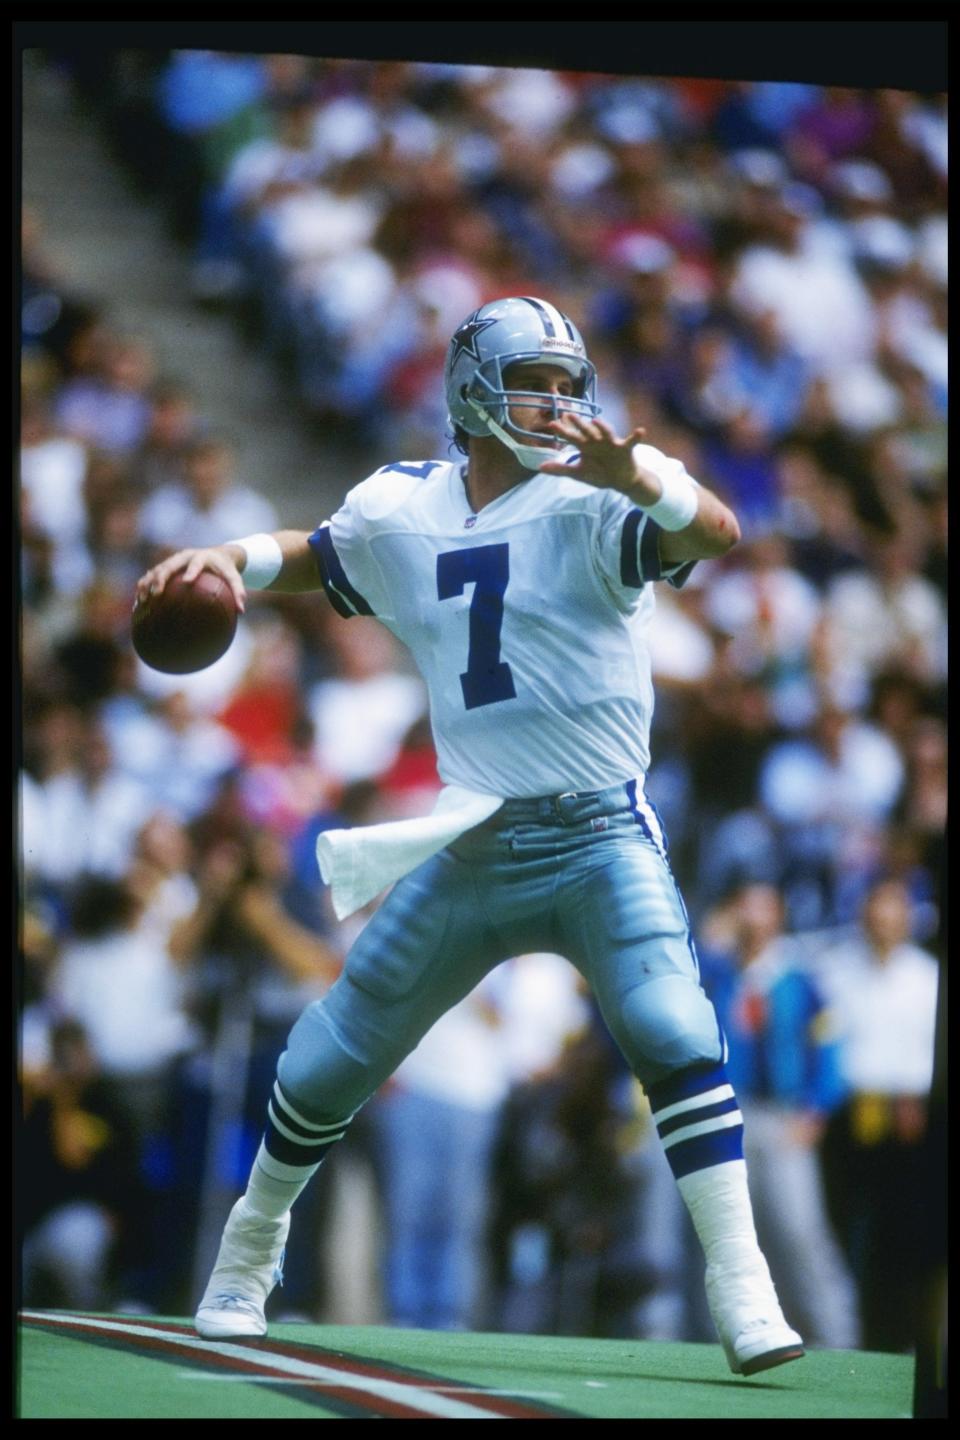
(531, 457)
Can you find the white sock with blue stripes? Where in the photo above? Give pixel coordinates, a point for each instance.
(291, 1152)
(701, 1129)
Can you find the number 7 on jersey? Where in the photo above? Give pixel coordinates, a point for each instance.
(487, 678)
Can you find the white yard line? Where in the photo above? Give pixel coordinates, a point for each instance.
(415, 1386)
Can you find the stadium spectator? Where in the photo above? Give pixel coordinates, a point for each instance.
(203, 88)
(415, 423)
(116, 977)
(110, 409)
(53, 467)
(241, 919)
(435, 1125)
(909, 144)
(889, 613)
(916, 849)
(89, 811)
(175, 752)
(270, 166)
(817, 516)
(830, 793)
(208, 498)
(91, 531)
(159, 878)
(362, 712)
(172, 425)
(764, 376)
(308, 225)
(566, 1216)
(80, 1198)
(265, 707)
(114, 542)
(820, 305)
(87, 660)
(785, 1055)
(883, 990)
(641, 318)
(770, 612)
(759, 114)
(212, 104)
(838, 122)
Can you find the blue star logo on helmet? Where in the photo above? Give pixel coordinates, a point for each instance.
(465, 339)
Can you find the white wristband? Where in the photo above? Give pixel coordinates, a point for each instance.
(264, 560)
(678, 500)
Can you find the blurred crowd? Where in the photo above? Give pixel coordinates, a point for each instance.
(760, 272)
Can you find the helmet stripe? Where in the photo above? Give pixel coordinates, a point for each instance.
(546, 313)
(555, 323)
(562, 325)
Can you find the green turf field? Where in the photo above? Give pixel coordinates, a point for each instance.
(132, 1368)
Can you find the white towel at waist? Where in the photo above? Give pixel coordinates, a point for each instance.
(358, 864)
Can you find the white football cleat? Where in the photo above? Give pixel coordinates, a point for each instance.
(249, 1264)
(750, 1323)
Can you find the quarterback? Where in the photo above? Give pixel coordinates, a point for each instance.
(521, 578)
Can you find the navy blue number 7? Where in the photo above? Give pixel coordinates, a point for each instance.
(487, 678)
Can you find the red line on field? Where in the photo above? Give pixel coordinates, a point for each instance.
(213, 1360)
(502, 1407)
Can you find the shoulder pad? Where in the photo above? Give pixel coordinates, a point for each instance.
(391, 486)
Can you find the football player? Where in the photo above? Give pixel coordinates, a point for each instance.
(521, 578)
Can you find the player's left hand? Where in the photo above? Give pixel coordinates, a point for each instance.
(606, 459)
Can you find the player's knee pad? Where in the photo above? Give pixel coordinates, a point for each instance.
(323, 1079)
(669, 1024)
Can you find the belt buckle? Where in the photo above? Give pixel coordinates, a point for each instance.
(557, 805)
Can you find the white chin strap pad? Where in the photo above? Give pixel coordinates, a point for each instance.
(531, 457)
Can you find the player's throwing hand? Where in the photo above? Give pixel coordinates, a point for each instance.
(605, 460)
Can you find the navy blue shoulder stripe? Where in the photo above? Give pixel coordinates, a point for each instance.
(650, 551)
(342, 596)
(639, 564)
(629, 569)
(336, 600)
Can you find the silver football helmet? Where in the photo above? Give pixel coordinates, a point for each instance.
(510, 332)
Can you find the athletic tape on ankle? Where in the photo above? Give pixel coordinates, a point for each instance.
(678, 500)
(264, 560)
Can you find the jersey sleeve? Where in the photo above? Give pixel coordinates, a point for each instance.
(348, 572)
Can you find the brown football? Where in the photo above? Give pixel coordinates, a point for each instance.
(186, 627)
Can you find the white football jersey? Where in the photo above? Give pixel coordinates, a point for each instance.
(527, 620)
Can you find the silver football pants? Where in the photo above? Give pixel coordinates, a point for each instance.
(584, 876)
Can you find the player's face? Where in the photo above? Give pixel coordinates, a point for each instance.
(547, 380)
